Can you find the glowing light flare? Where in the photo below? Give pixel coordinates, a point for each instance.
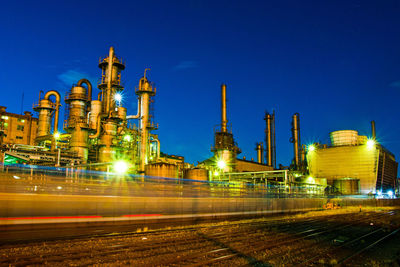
(370, 143)
(121, 167)
(216, 173)
(390, 193)
(127, 138)
(311, 148)
(57, 135)
(118, 97)
(221, 164)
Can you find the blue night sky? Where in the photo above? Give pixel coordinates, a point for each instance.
(337, 63)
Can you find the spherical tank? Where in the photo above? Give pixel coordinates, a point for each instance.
(344, 138)
(347, 186)
(94, 112)
(197, 174)
(162, 170)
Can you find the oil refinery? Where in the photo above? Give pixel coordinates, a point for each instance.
(99, 134)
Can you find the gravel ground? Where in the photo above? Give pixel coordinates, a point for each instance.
(311, 239)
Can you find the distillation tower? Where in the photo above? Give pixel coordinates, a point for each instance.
(97, 131)
(225, 149)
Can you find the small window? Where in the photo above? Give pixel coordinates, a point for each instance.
(20, 137)
(4, 117)
(20, 127)
(21, 120)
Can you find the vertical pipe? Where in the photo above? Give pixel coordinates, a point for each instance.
(273, 141)
(296, 139)
(144, 121)
(224, 121)
(109, 80)
(373, 130)
(268, 138)
(259, 148)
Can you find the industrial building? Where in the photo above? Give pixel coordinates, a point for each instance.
(16, 128)
(98, 134)
(354, 164)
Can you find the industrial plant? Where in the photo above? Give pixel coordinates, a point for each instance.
(99, 134)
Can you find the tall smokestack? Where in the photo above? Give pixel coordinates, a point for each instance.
(224, 121)
(373, 130)
(296, 139)
(270, 139)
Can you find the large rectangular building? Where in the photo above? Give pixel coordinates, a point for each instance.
(355, 159)
(16, 128)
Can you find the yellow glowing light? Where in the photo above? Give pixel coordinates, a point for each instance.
(221, 164)
(310, 180)
(121, 167)
(216, 173)
(127, 138)
(311, 148)
(370, 143)
(57, 135)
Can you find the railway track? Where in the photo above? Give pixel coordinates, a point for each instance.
(333, 240)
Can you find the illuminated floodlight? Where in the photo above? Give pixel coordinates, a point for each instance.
(59, 187)
(390, 193)
(221, 164)
(16, 177)
(127, 138)
(118, 97)
(311, 148)
(379, 193)
(216, 173)
(121, 167)
(57, 135)
(370, 143)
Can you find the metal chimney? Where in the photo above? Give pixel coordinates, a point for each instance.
(373, 130)
(270, 139)
(296, 139)
(224, 121)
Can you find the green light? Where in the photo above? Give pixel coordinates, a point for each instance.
(120, 167)
(311, 148)
(221, 164)
(57, 135)
(127, 138)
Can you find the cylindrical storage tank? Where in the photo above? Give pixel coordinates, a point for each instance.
(107, 151)
(162, 169)
(94, 112)
(347, 186)
(77, 105)
(45, 109)
(196, 174)
(122, 113)
(344, 138)
(79, 142)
